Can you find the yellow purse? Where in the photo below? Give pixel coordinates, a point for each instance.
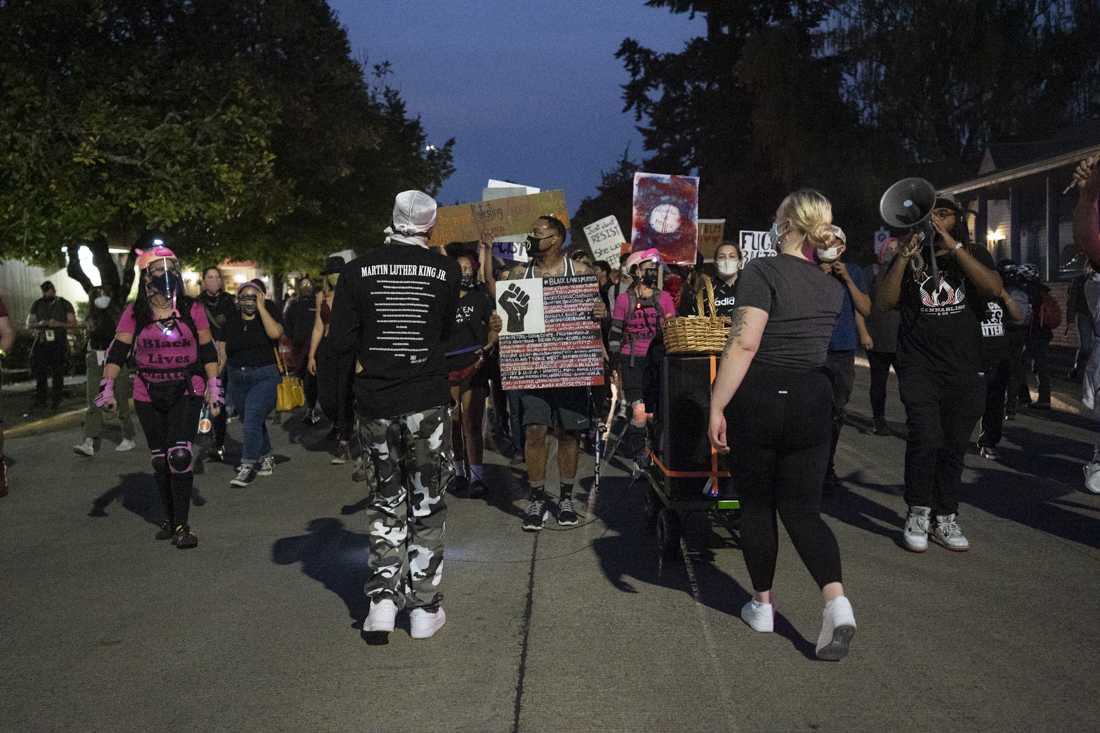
(290, 394)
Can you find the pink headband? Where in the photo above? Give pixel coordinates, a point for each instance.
(156, 253)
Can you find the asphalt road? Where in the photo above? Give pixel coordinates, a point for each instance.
(103, 629)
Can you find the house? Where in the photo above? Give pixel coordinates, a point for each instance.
(1020, 210)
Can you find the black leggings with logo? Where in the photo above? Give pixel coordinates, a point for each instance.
(166, 431)
(779, 426)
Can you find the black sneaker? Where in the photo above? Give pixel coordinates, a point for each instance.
(460, 485)
(245, 476)
(312, 418)
(477, 489)
(567, 515)
(534, 515)
(164, 530)
(184, 539)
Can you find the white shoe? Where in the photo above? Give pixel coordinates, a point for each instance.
(838, 626)
(1092, 477)
(87, 448)
(915, 534)
(760, 616)
(125, 445)
(948, 533)
(423, 624)
(381, 616)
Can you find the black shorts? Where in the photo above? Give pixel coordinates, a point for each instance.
(565, 408)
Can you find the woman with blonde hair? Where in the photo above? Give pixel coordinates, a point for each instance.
(773, 401)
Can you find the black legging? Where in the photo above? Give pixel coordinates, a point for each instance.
(170, 435)
(779, 425)
(880, 362)
(334, 388)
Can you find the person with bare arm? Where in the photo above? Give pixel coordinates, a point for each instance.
(1086, 235)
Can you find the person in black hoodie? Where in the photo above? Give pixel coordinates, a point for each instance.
(219, 306)
(394, 311)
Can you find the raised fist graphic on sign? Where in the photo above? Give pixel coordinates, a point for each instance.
(515, 302)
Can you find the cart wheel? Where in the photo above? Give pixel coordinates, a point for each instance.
(651, 507)
(668, 534)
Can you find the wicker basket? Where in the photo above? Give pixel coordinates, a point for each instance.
(698, 334)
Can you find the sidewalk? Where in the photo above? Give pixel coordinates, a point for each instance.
(18, 420)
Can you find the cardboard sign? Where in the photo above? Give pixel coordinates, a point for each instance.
(755, 244)
(497, 218)
(605, 239)
(527, 190)
(666, 210)
(520, 306)
(711, 234)
(569, 351)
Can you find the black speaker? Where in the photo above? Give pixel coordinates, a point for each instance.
(685, 410)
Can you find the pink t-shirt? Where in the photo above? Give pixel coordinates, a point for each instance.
(165, 356)
(641, 325)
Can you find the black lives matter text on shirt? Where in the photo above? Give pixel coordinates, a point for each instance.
(395, 308)
(569, 353)
(940, 319)
(802, 303)
(471, 329)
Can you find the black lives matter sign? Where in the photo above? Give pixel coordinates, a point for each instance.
(569, 352)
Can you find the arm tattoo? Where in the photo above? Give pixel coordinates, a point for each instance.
(736, 329)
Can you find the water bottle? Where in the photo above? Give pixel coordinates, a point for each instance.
(205, 423)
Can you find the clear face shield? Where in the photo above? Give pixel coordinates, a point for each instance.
(163, 278)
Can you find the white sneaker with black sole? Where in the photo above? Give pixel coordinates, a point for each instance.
(423, 624)
(917, 524)
(534, 515)
(87, 448)
(245, 476)
(267, 466)
(838, 626)
(948, 533)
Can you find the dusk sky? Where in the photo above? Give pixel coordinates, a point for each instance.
(530, 89)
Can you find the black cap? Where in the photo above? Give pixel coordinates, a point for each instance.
(333, 265)
(47, 286)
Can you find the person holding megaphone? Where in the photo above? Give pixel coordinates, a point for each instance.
(941, 285)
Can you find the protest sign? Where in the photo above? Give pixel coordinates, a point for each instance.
(666, 209)
(520, 306)
(755, 244)
(492, 194)
(711, 234)
(527, 190)
(568, 352)
(498, 218)
(605, 239)
(512, 248)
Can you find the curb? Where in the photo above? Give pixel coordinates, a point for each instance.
(60, 421)
(1058, 402)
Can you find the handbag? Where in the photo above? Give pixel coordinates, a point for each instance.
(290, 394)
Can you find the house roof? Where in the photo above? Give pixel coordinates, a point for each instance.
(1005, 162)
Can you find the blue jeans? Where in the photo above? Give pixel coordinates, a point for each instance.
(252, 392)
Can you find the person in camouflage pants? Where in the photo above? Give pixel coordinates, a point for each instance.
(412, 466)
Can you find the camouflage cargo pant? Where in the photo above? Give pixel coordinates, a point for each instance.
(412, 467)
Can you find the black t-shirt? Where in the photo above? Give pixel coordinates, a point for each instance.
(246, 342)
(725, 299)
(395, 308)
(940, 322)
(802, 304)
(471, 329)
(218, 310)
(43, 310)
(300, 315)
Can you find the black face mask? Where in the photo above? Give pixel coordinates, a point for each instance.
(534, 246)
(468, 282)
(649, 278)
(247, 305)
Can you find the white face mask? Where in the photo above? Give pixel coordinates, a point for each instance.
(829, 255)
(726, 268)
(102, 301)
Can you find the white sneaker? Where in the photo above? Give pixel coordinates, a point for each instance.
(125, 445)
(267, 466)
(838, 626)
(915, 534)
(1092, 477)
(423, 624)
(948, 533)
(381, 616)
(87, 448)
(760, 616)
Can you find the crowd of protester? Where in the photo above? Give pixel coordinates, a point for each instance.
(398, 349)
